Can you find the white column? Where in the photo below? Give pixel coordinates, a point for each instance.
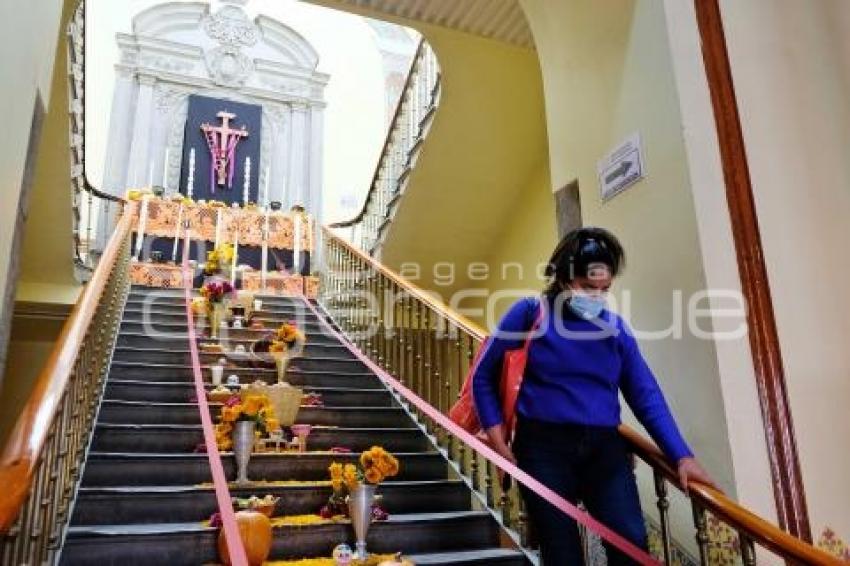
(140, 157)
(299, 149)
(120, 129)
(313, 200)
(279, 161)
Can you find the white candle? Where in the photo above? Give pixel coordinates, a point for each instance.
(143, 220)
(265, 259)
(247, 190)
(265, 200)
(191, 181)
(296, 252)
(177, 233)
(218, 227)
(165, 171)
(235, 258)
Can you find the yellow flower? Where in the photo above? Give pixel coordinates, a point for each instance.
(225, 444)
(374, 476)
(224, 428)
(393, 467)
(366, 459)
(349, 474)
(272, 424)
(277, 346)
(335, 470)
(336, 484)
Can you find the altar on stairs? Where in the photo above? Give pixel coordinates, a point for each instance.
(273, 248)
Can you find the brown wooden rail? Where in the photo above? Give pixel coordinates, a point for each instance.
(764, 533)
(23, 449)
(417, 292)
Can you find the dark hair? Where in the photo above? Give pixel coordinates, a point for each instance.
(580, 249)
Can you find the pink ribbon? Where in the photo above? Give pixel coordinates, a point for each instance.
(541, 490)
(235, 548)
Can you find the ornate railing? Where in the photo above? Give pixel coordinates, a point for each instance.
(41, 464)
(409, 127)
(89, 206)
(429, 348)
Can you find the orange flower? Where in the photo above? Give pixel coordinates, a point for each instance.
(230, 414)
(336, 484)
(335, 470)
(374, 476)
(252, 405)
(272, 424)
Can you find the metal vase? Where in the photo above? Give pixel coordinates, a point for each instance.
(243, 445)
(360, 502)
(281, 362)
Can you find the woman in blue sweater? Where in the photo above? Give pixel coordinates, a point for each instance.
(568, 409)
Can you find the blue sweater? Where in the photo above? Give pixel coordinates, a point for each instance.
(574, 370)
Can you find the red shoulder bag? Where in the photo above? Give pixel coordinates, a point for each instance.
(463, 412)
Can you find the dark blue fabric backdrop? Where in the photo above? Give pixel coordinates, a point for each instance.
(205, 109)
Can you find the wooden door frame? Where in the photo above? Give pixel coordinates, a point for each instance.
(763, 335)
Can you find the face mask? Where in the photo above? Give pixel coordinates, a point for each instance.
(586, 306)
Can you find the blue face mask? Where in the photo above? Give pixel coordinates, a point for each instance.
(586, 306)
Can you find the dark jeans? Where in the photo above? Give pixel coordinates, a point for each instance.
(580, 463)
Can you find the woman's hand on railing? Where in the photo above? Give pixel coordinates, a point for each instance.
(689, 469)
(496, 437)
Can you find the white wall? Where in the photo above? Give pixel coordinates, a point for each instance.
(791, 66)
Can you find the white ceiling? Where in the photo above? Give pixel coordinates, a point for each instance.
(502, 20)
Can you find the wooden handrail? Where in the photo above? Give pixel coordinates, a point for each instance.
(387, 141)
(444, 311)
(766, 534)
(20, 456)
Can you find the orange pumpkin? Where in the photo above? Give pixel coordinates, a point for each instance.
(397, 560)
(255, 530)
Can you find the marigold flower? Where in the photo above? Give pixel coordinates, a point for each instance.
(374, 476)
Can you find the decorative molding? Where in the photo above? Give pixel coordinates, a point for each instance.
(164, 63)
(788, 489)
(230, 26)
(228, 66)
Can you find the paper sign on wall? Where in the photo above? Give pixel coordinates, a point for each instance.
(621, 168)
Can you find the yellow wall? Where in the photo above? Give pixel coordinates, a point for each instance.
(791, 66)
(26, 70)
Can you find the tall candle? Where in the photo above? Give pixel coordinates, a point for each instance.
(265, 200)
(247, 190)
(143, 220)
(296, 252)
(191, 181)
(235, 258)
(177, 233)
(165, 170)
(265, 259)
(218, 226)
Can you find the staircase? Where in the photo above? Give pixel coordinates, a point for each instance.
(141, 499)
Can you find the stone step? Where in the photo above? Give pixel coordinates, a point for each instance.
(132, 505)
(122, 469)
(170, 339)
(142, 340)
(156, 320)
(143, 412)
(178, 373)
(184, 392)
(192, 544)
(310, 360)
(176, 296)
(168, 331)
(179, 309)
(160, 438)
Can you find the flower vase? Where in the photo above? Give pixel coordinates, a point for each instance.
(281, 362)
(216, 317)
(360, 502)
(243, 445)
